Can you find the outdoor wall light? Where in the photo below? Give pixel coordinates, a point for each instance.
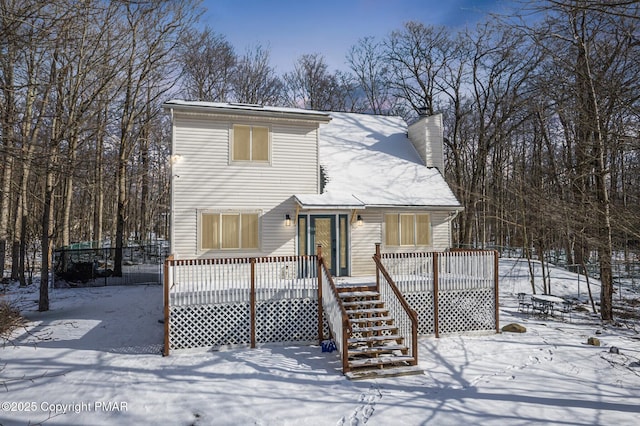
(359, 220)
(287, 220)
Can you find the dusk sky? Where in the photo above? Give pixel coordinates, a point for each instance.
(291, 28)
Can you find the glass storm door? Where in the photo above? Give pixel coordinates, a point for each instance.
(323, 233)
(330, 231)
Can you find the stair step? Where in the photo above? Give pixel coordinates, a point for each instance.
(355, 287)
(373, 339)
(374, 329)
(388, 320)
(363, 303)
(380, 361)
(351, 294)
(374, 350)
(368, 311)
(386, 372)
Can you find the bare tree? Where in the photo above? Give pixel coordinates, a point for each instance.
(371, 70)
(153, 31)
(417, 55)
(311, 85)
(255, 81)
(208, 63)
(10, 25)
(500, 66)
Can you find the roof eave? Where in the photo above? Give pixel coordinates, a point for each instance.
(363, 205)
(452, 208)
(328, 206)
(315, 116)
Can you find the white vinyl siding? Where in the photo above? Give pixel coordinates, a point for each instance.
(205, 178)
(426, 136)
(363, 242)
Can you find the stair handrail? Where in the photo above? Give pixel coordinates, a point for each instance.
(336, 313)
(413, 316)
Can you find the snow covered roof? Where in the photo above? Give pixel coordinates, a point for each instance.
(370, 162)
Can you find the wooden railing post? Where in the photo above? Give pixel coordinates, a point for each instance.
(378, 255)
(252, 302)
(345, 345)
(166, 305)
(414, 333)
(320, 308)
(436, 325)
(495, 288)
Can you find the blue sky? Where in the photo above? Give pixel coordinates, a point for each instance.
(290, 28)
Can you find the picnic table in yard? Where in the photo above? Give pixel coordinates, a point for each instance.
(545, 304)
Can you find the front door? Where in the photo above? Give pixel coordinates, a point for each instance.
(330, 231)
(323, 232)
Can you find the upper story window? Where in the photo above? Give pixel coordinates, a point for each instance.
(407, 229)
(250, 143)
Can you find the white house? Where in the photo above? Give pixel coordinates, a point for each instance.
(251, 180)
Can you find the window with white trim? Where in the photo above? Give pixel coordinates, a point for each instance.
(407, 229)
(250, 143)
(228, 230)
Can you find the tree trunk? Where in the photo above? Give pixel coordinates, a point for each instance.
(120, 215)
(98, 190)
(68, 192)
(592, 130)
(47, 242)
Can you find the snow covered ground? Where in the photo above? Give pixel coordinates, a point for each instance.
(94, 359)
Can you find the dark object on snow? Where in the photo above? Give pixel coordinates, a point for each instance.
(614, 350)
(78, 271)
(83, 272)
(328, 346)
(593, 341)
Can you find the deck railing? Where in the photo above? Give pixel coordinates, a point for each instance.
(215, 302)
(211, 281)
(464, 282)
(454, 270)
(194, 286)
(405, 318)
(410, 271)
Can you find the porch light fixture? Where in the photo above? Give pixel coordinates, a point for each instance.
(359, 221)
(287, 220)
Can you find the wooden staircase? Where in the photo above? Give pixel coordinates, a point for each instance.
(375, 348)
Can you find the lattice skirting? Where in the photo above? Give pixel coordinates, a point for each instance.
(287, 320)
(469, 310)
(295, 320)
(198, 326)
(458, 311)
(211, 326)
(422, 303)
